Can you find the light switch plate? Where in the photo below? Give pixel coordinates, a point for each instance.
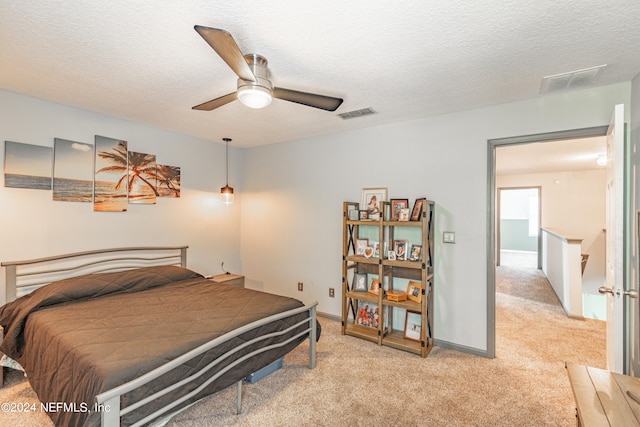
(449, 237)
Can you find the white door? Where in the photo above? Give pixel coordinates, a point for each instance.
(614, 282)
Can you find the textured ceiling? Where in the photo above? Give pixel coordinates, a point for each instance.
(143, 61)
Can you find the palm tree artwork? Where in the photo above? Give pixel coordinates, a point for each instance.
(123, 176)
(168, 181)
(142, 178)
(111, 175)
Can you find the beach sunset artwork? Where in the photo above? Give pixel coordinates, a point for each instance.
(142, 178)
(72, 171)
(27, 166)
(168, 181)
(111, 175)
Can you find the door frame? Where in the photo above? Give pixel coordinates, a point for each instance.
(499, 191)
(492, 144)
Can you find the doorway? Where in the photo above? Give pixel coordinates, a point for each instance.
(492, 217)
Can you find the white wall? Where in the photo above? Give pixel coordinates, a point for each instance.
(293, 192)
(32, 225)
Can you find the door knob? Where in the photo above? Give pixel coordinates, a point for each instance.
(605, 290)
(631, 293)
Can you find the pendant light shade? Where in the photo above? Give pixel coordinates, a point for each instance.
(227, 192)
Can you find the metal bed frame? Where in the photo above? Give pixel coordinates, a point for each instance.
(22, 277)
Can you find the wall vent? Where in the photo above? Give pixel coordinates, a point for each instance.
(357, 113)
(570, 80)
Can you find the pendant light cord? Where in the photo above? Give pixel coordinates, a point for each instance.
(227, 156)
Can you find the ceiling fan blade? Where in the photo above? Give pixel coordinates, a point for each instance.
(222, 42)
(215, 103)
(323, 102)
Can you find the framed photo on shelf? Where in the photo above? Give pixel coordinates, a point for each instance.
(412, 325)
(363, 215)
(367, 314)
(404, 214)
(416, 253)
(359, 282)
(391, 255)
(414, 291)
(400, 247)
(396, 205)
(361, 245)
(368, 252)
(418, 207)
(372, 199)
(374, 286)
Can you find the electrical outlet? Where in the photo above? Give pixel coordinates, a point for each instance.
(332, 292)
(300, 286)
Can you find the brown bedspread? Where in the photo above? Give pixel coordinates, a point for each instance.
(79, 337)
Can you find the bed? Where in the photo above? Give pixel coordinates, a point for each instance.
(130, 336)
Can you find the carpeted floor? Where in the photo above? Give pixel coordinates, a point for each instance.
(357, 383)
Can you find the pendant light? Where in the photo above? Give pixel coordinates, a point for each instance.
(227, 192)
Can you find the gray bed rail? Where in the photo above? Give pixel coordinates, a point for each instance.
(109, 401)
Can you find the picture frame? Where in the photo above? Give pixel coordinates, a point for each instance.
(361, 245)
(359, 283)
(367, 314)
(374, 287)
(368, 252)
(404, 214)
(353, 214)
(391, 255)
(412, 325)
(396, 205)
(418, 208)
(415, 254)
(372, 199)
(400, 247)
(376, 249)
(414, 291)
(363, 215)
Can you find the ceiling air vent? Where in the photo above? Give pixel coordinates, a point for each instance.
(357, 113)
(570, 80)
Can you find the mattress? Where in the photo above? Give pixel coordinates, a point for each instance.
(79, 337)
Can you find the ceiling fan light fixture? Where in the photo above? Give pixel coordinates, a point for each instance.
(254, 96)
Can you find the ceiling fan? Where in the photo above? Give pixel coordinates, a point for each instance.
(254, 87)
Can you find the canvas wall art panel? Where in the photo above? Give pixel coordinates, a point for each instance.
(142, 178)
(168, 181)
(72, 171)
(27, 166)
(111, 175)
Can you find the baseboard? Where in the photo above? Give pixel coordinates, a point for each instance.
(329, 316)
(462, 348)
(439, 343)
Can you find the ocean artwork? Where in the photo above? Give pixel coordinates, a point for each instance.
(72, 171)
(111, 175)
(142, 178)
(27, 166)
(168, 181)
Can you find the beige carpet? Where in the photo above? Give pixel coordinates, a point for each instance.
(357, 383)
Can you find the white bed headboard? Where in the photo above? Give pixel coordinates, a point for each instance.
(22, 277)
